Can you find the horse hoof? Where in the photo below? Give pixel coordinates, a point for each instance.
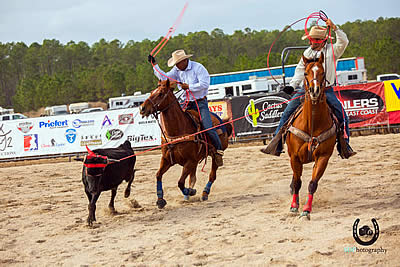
(127, 193)
(204, 197)
(161, 203)
(305, 214)
(192, 191)
(295, 210)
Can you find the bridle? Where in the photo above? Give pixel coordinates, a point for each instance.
(156, 106)
(321, 84)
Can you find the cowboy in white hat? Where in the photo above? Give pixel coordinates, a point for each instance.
(317, 37)
(194, 77)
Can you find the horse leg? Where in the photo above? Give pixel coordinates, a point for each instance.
(164, 166)
(187, 169)
(128, 187)
(111, 204)
(211, 179)
(318, 170)
(295, 185)
(192, 181)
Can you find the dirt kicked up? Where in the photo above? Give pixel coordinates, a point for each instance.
(43, 211)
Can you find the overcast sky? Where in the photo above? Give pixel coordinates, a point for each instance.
(90, 20)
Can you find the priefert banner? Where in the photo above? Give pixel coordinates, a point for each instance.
(72, 133)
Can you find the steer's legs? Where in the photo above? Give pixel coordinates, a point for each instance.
(164, 166)
(128, 187)
(92, 209)
(111, 204)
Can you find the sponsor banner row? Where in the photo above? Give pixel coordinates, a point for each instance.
(72, 133)
(364, 104)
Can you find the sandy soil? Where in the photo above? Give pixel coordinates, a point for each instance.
(43, 211)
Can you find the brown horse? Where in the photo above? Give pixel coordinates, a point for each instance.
(312, 135)
(186, 150)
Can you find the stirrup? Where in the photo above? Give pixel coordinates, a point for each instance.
(220, 152)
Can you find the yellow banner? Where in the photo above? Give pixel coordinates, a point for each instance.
(220, 108)
(392, 95)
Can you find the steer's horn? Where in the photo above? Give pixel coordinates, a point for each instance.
(113, 160)
(90, 151)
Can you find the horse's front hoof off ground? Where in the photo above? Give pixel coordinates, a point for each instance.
(204, 197)
(305, 214)
(161, 203)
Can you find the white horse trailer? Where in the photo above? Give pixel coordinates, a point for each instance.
(75, 108)
(129, 101)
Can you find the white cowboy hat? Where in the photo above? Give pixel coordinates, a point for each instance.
(316, 32)
(177, 56)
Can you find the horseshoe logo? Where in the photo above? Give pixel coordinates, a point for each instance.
(365, 231)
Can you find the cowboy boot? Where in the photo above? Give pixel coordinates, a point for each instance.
(348, 152)
(345, 151)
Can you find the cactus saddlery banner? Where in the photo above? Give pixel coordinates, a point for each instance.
(256, 122)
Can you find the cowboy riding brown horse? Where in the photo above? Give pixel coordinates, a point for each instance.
(187, 149)
(312, 135)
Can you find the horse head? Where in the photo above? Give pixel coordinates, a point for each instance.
(314, 78)
(159, 99)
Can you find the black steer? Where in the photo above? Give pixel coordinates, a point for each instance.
(102, 171)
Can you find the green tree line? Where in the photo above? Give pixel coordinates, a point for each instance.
(53, 73)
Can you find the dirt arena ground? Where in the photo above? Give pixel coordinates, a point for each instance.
(43, 211)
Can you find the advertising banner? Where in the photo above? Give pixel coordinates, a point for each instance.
(364, 104)
(392, 95)
(220, 108)
(72, 133)
(266, 112)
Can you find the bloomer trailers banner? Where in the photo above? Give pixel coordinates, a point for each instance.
(266, 112)
(364, 104)
(71, 133)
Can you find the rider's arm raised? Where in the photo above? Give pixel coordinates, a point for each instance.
(341, 43)
(173, 73)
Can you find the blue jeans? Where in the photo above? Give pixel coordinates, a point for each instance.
(206, 121)
(332, 100)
